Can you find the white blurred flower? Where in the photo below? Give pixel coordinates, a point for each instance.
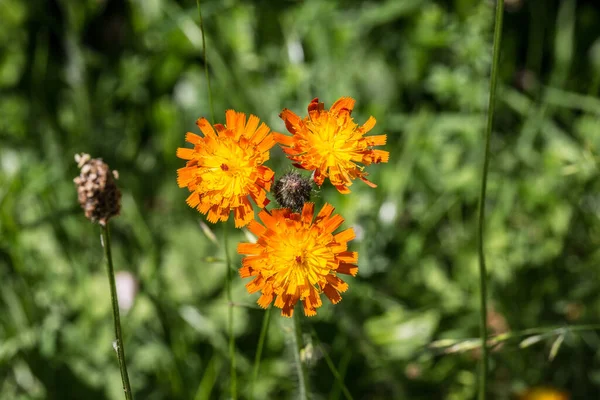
(295, 51)
(127, 287)
(388, 212)
(359, 232)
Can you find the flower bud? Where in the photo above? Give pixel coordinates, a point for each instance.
(97, 191)
(292, 190)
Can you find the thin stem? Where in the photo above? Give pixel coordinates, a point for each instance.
(233, 377)
(261, 342)
(210, 99)
(115, 308)
(481, 207)
(338, 376)
(300, 367)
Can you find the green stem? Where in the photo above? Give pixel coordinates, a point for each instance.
(233, 377)
(210, 99)
(300, 367)
(115, 308)
(261, 342)
(338, 376)
(481, 207)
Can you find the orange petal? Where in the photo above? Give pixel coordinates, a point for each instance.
(255, 285)
(246, 272)
(249, 248)
(193, 138)
(348, 269)
(341, 104)
(243, 214)
(206, 128)
(261, 133)
(368, 182)
(326, 211)
(220, 128)
(319, 177)
(193, 200)
(308, 211)
(266, 143)
(185, 153)
(264, 300)
(333, 223)
(282, 139)
(292, 121)
(332, 294)
(309, 309)
(256, 228)
(345, 236)
(315, 106)
(185, 175)
(251, 125)
(337, 283)
(343, 189)
(367, 126)
(231, 119)
(348, 256)
(288, 308)
(377, 140)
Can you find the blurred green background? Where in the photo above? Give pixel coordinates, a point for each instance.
(124, 80)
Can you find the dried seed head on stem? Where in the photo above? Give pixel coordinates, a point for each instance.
(98, 194)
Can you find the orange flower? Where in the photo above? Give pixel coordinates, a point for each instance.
(544, 393)
(296, 258)
(225, 167)
(331, 143)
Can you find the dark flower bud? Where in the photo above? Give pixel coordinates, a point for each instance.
(97, 191)
(292, 190)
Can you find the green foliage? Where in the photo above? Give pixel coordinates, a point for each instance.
(124, 80)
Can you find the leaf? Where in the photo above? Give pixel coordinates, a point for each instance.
(531, 340)
(401, 333)
(209, 233)
(556, 346)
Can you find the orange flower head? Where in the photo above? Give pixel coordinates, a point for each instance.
(296, 258)
(331, 144)
(543, 393)
(225, 168)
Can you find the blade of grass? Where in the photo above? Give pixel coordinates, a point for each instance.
(481, 207)
(338, 377)
(261, 342)
(120, 347)
(208, 379)
(210, 99)
(339, 384)
(232, 378)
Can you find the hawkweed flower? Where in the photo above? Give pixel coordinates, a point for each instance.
(225, 168)
(331, 144)
(543, 393)
(298, 257)
(97, 192)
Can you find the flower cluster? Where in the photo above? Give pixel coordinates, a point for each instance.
(297, 256)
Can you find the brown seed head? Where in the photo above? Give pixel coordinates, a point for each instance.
(97, 191)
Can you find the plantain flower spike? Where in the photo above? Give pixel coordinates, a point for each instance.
(98, 194)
